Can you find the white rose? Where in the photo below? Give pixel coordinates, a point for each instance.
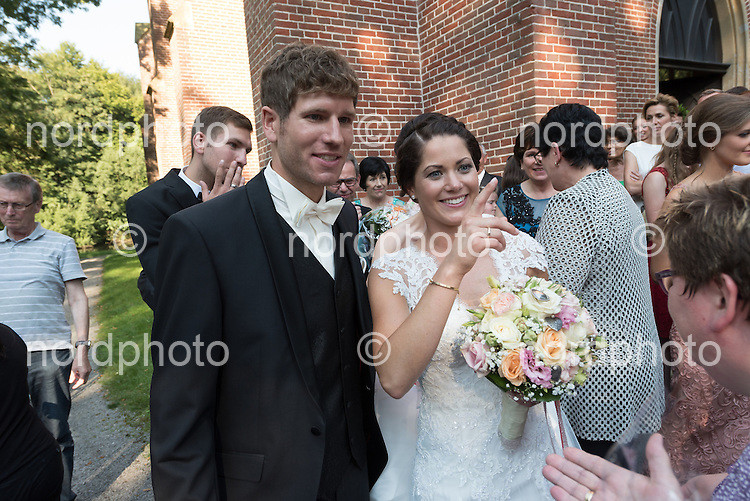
(538, 308)
(576, 333)
(504, 330)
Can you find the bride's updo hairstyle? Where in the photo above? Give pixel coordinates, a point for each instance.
(578, 132)
(724, 113)
(413, 136)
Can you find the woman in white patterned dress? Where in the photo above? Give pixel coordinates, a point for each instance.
(420, 288)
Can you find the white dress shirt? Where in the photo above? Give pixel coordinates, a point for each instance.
(192, 184)
(315, 234)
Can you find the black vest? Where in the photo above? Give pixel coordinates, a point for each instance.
(330, 310)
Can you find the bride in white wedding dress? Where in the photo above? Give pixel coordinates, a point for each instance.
(420, 289)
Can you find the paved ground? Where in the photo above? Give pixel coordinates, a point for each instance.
(111, 457)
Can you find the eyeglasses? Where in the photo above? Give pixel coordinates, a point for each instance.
(18, 207)
(664, 278)
(349, 181)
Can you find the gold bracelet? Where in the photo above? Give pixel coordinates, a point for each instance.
(444, 286)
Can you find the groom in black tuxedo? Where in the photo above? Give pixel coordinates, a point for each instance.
(263, 295)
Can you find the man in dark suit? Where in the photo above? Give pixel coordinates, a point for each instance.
(220, 141)
(484, 176)
(269, 395)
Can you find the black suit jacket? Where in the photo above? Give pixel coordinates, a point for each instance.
(251, 428)
(487, 177)
(149, 209)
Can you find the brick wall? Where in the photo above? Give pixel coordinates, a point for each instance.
(210, 49)
(261, 33)
(204, 63)
(575, 49)
(636, 30)
(478, 67)
(498, 65)
(492, 64)
(164, 91)
(379, 39)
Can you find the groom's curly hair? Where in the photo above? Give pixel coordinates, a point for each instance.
(300, 69)
(413, 136)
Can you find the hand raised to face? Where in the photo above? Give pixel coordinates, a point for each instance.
(479, 233)
(226, 179)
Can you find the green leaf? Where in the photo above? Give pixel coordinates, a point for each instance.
(540, 394)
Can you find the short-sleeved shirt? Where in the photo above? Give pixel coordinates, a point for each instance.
(645, 155)
(736, 485)
(32, 286)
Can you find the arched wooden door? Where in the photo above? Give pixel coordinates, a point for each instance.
(690, 49)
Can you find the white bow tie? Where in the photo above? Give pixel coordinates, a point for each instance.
(325, 211)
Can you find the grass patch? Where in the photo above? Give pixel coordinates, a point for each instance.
(124, 317)
(94, 253)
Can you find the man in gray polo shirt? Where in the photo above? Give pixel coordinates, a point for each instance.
(38, 267)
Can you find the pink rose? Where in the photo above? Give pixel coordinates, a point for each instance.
(570, 300)
(568, 316)
(571, 367)
(476, 357)
(505, 302)
(586, 319)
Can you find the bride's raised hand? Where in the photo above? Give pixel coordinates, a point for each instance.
(478, 233)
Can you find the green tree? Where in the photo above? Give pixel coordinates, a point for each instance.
(86, 108)
(19, 105)
(18, 17)
(91, 212)
(85, 144)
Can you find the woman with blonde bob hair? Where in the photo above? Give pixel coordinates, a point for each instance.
(708, 426)
(660, 113)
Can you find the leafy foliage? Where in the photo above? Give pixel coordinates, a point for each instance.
(73, 125)
(17, 17)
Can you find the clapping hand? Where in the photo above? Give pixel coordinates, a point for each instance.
(225, 179)
(580, 475)
(478, 233)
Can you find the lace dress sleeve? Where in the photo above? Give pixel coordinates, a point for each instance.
(521, 252)
(391, 267)
(567, 234)
(409, 270)
(532, 251)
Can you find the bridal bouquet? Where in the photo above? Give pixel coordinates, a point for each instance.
(533, 340)
(378, 221)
